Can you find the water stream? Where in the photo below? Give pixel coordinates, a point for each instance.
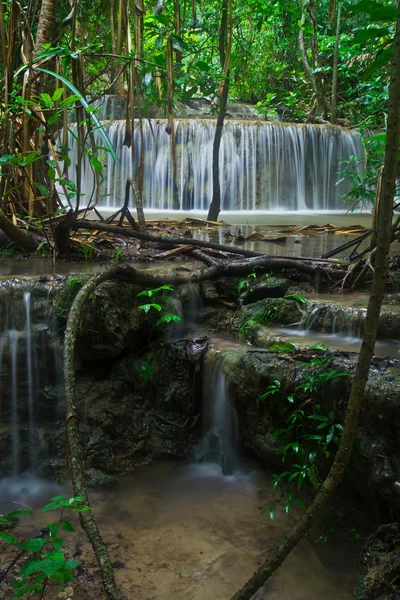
(29, 360)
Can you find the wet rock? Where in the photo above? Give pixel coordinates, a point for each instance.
(99, 452)
(273, 287)
(375, 469)
(97, 480)
(380, 559)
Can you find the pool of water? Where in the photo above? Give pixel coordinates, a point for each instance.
(184, 532)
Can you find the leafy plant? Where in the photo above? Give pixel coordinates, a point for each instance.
(146, 369)
(309, 436)
(296, 297)
(117, 255)
(87, 251)
(46, 560)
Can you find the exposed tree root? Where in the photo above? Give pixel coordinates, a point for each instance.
(24, 239)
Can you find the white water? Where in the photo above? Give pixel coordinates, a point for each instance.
(221, 440)
(263, 166)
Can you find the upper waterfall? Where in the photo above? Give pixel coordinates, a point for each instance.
(263, 166)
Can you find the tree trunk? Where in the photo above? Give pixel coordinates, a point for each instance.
(315, 84)
(335, 68)
(215, 206)
(345, 449)
(46, 26)
(225, 44)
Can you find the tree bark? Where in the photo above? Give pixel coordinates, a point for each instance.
(335, 68)
(319, 94)
(224, 56)
(23, 239)
(345, 449)
(46, 26)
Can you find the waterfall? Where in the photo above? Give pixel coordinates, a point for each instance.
(263, 166)
(220, 421)
(29, 355)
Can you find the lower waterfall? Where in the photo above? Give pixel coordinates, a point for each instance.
(263, 166)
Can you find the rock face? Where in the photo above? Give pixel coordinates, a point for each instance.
(380, 559)
(375, 469)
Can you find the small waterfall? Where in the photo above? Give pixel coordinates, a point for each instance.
(312, 318)
(263, 166)
(220, 422)
(29, 360)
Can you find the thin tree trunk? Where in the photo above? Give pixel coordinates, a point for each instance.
(225, 44)
(345, 449)
(321, 100)
(335, 68)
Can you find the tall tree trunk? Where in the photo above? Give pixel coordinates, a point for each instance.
(335, 68)
(46, 26)
(322, 107)
(384, 237)
(225, 44)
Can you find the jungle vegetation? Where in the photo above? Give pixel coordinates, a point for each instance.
(302, 61)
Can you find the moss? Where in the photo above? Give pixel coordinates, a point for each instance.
(63, 299)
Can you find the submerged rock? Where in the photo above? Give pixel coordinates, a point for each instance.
(380, 559)
(98, 480)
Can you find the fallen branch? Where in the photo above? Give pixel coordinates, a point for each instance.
(177, 241)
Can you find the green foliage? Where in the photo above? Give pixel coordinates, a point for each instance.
(260, 318)
(169, 318)
(146, 369)
(46, 560)
(246, 284)
(296, 297)
(282, 347)
(310, 434)
(117, 255)
(87, 251)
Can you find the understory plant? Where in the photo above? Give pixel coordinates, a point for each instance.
(311, 436)
(41, 559)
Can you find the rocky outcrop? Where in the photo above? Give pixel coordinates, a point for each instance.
(375, 470)
(380, 560)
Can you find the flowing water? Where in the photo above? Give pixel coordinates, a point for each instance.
(30, 358)
(263, 166)
(221, 428)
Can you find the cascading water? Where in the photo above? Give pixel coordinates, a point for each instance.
(220, 422)
(263, 166)
(30, 359)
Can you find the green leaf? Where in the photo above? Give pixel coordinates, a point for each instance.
(53, 529)
(364, 35)
(33, 545)
(295, 297)
(67, 526)
(168, 319)
(96, 164)
(21, 511)
(146, 307)
(57, 94)
(8, 538)
(317, 347)
(33, 566)
(71, 564)
(85, 104)
(376, 10)
(42, 188)
(282, 347)
(46, 99)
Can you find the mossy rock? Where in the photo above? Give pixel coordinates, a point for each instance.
(64, 298)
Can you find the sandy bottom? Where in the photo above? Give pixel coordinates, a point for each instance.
(180, 532)
(187, 533)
